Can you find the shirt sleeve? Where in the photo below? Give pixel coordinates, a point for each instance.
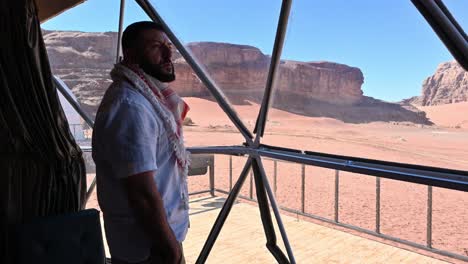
(129, 139)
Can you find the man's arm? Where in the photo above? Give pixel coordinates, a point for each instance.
(148, 206)
(130, 135)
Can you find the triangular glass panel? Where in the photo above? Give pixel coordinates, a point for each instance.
(231, 41)
(356, 81)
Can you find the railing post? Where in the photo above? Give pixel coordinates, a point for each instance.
(429, 217)
(377, 205)
(303, 188)
(230, 172)
(212, 179)
(251, 185)
(337, 194)
(275, 170)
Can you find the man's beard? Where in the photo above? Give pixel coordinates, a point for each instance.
(157, 71)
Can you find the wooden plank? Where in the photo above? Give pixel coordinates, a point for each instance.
(242, 240)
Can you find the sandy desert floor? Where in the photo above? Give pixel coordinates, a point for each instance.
(403, 205)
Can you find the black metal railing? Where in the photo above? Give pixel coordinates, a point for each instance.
(335, 220)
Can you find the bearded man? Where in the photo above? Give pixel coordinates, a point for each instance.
(141, 161)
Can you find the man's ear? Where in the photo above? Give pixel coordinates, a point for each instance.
(130, 55)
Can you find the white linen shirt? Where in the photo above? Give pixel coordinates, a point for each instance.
(129, 138)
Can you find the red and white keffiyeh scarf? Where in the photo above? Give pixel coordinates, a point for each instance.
(167, 104)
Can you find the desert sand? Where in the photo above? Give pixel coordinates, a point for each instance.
(448, 115)
(403, 205)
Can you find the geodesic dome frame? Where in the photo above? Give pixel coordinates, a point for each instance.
(447, 29)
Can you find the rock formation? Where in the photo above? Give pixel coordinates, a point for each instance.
(241, 71)
(415, 100)
(449, 84)
(83, 61)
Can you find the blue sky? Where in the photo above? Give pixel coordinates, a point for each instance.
(388, 40)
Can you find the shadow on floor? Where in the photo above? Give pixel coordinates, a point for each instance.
(217, 204)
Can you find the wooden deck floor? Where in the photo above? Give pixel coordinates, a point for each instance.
(242, 240)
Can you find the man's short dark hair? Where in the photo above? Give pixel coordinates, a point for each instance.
(131, 34)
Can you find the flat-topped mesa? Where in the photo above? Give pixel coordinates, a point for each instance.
(83, 61)
(226, 54)
(75, 49)
(324, 81)
(449, 84)
(241, 71)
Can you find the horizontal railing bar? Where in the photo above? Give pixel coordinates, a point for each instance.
(199, 192)
(387, 163)
(242, 150)
(225, 150)
(264, 146)
(445, 180)
(87, 149)
(455, 180)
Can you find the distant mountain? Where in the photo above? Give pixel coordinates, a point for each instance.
(83, 60)
(449, 84)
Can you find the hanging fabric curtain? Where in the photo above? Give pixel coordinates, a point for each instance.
(42, 171)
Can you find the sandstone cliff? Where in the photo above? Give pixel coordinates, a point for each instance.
(449, 84)
(241, 71)
(83, 61)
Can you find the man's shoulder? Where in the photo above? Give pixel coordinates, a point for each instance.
(123, 91)
(123, 107)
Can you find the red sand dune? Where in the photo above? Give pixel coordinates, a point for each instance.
(448, 115)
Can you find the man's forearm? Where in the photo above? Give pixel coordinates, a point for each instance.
(148, 206)
(149, 209)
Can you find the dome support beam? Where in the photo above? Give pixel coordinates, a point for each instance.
(221, 99)
(273, 71)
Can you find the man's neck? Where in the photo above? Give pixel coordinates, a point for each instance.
(160, 85)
